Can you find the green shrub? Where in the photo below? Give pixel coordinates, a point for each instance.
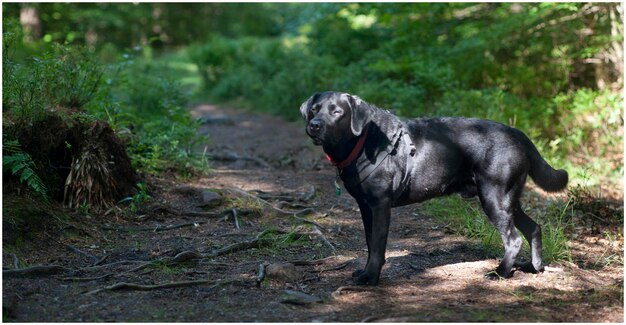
(144, 102)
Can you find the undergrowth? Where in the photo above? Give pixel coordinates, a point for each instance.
(21, 164)
(576, 129)
(465, 217)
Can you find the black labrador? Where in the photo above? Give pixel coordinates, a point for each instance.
(385, 162)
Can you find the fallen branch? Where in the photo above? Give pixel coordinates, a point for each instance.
(142, 287)
(36, 270)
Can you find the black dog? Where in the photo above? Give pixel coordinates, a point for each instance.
(384, 162)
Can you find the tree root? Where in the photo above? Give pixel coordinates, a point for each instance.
(305, 220)
(341, 289)
(231, 156)
(260, 275)
(142, 287)
(37, 270)
(306, 196)
(16, 261)
(96, 267)
(79, 252)
(254, 243)
(266, 203)
(313, 262)
(156, 228)
(338, 267)
(318, 233)
(80, 279)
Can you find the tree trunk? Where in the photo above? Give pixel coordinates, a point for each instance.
(31, 24)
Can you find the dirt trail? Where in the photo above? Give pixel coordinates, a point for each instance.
(430, 274)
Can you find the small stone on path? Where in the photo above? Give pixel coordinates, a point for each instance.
(298, 298)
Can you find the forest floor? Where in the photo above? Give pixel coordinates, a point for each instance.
(227, 247)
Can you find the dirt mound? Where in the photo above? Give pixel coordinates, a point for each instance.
(69, 143)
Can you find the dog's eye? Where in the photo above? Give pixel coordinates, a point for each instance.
(315, 108)
(337, 112)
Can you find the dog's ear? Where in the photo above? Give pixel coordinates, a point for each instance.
(361, 114)
(305, 107)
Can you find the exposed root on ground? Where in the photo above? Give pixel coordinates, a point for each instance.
(143, 287)
(37, 270)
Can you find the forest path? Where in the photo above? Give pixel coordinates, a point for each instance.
(431, 274)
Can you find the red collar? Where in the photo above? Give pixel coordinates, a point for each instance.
(353, 155)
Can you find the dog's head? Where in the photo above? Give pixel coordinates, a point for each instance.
(333, 117)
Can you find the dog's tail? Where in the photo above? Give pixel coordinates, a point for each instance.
(546, 177)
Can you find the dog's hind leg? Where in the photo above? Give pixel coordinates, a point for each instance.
(532, 233)
(499, 207)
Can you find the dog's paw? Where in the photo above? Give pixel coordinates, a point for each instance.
(529, 268)
(358, 273)
(367, 279)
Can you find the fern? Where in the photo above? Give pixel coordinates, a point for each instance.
(21, 164)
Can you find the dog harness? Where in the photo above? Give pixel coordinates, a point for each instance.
(366, 168)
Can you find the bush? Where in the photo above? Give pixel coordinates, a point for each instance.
(150, 109)
(49, 135)
(271, 74)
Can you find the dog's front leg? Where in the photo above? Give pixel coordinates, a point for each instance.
(376, 223)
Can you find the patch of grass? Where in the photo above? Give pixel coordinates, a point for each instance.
(465, 217)
(557, 219)
(243, 203)
(170, 269)
(280, 241)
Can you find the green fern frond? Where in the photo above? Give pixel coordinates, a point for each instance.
(21, 165)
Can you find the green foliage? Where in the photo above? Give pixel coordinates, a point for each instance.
(556, 221)
(526, 65)
(465, 217)
(62, 77)
(144, 104)
(21, 164)
(127, 25)
(138, 200)
(261, 71)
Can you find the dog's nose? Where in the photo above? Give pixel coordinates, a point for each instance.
(315, 126)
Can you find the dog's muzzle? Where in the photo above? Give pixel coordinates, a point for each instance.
(314, 130)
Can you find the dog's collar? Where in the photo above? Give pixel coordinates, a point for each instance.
(354, 154)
